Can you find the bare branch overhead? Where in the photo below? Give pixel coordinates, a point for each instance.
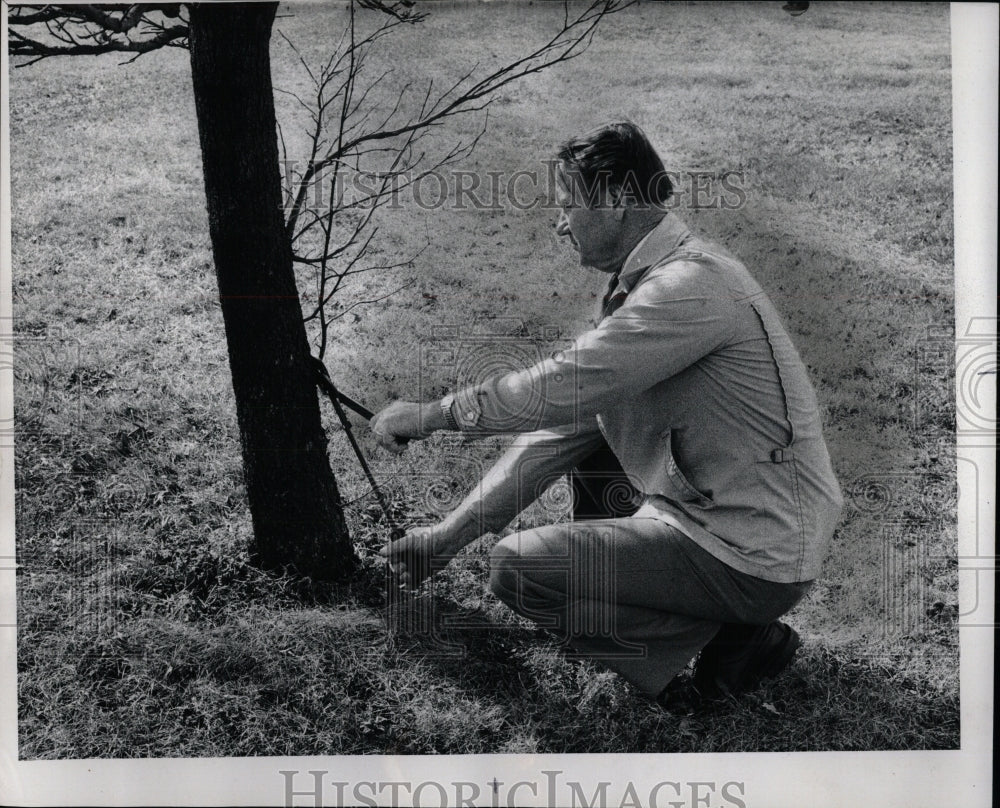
(466, 94)
(367, 142)
(38, 32)
(400, 9)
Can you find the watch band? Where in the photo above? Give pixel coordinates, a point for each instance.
(449, 419)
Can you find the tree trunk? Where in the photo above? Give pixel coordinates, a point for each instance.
(298, 521)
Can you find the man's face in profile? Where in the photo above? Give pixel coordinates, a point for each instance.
(590, 220)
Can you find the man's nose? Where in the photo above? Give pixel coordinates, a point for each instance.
(562, 226)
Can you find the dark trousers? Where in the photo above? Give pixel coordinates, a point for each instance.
(635, 594)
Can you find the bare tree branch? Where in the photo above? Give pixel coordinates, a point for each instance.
(378, 299)
(400, 9)
(90, 30)
(26, 15)
(364, 150)
(121, 24)
(467, 95)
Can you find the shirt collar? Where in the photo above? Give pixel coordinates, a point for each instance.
(656, 245)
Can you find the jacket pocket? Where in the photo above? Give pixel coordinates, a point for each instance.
(779, 500)
(681, 488)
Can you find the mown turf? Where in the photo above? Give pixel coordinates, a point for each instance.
(142, 630)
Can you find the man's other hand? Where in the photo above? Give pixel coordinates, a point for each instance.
(420, 553)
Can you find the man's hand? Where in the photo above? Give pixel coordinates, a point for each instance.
(420, 553)
(397, 424)
(403, 421)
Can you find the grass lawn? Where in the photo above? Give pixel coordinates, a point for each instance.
(143, 631)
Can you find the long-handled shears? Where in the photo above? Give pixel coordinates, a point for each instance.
(339, 401)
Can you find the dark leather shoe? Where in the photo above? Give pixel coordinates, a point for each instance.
(740, 657)
(680, 696)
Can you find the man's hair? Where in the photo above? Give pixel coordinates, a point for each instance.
(619, 158)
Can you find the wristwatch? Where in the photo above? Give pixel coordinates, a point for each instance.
(449, 419)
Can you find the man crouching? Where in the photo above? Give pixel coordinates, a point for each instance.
(688, 393)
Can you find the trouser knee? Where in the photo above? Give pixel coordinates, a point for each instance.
(525, 576)
(504, 570)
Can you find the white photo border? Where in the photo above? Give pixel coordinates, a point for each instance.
(768, 779)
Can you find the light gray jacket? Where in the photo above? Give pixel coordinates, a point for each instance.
(697, 388)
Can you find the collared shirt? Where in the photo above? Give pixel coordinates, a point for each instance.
(696, 386)
(617, 289)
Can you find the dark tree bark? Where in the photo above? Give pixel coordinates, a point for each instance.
(294, 502)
